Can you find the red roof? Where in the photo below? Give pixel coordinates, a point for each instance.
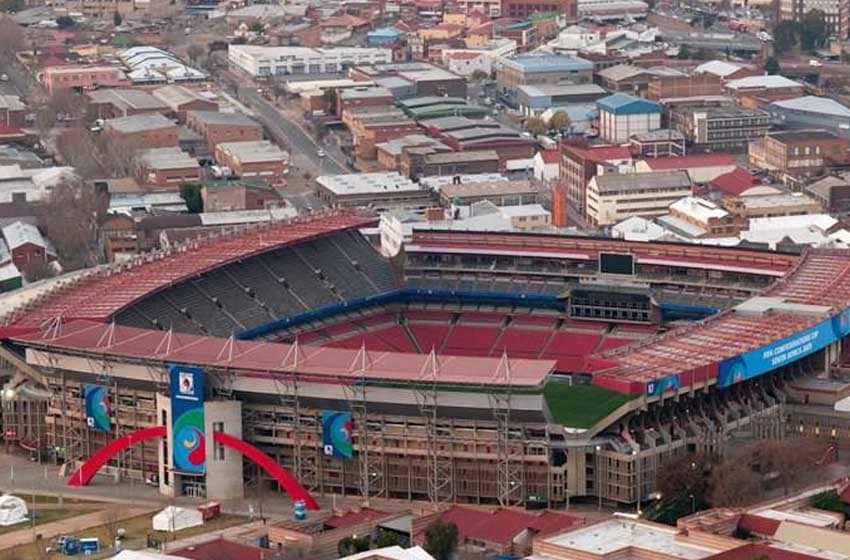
(463, 55)
(220, 548)
(601, 154)
(687, 162)
(550, 156)
(501, 526)
(761, 550)
(758, 524)
(352, 518)
(735, 182)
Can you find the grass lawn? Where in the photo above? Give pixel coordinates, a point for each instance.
(43, 516)
(581, 406)
(136, 527)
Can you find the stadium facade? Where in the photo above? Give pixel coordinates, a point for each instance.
(486, 368)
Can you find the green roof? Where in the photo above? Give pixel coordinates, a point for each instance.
(446, 110)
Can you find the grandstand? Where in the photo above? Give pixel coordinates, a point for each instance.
(494, 368)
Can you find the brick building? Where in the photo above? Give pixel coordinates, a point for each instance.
(799, 153)
(180, 100)
(372, 125)
(832, 193)
(579, 164)
(81, 78)
(693, 85)
(142, 131)
(121, 102)
(365, 96)
(12, 112)
(26, 244)
(423, 162)
(259, 159)
(727, 128)
(229, 196)
(218, 127)
(166, 167)
(523, 9)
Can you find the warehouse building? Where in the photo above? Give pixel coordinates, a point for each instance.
(613, 197)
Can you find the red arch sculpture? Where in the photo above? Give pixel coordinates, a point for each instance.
(87, 470)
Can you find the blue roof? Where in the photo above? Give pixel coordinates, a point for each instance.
(624, 104)
(384, 32)
(548, 63)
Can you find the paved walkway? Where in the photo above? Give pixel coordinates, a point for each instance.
(69, 526)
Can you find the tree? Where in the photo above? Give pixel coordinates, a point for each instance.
(785, 37)
(34, 271)
(11, 6)
(813, 30)
(79, 150)
(560, 121)
(684, 53)
(65, 22)
(441, 540)
(329, 97)
(352, 545)
(536, 126)
(117, 19)
(734, 485)
(771, 65)
(73, 214)
(191, 195)
(257, 27)
(195, 52)
(479, 75)
(387, 538)
(11, 38)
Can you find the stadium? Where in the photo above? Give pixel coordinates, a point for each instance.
(509, 368)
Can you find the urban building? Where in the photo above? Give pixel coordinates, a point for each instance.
(26, 245)
(832, 192)
(261, 61)
(725, 70)
(372, 125)
(381, 191)
(433, 107)
(836, 14)
(119, 102)
(664, 142)
(701, 168)
(216, 127)
(541, 69)
(758, 91)
(608, 10)
(81, 78)
(233, 196)
(390, 153)
(166, 167)
(613, 197)
(500, 193)
(505, 141)
(724, 128)
(428, 161)
(670, 86)
(365, 96)
(768, 202)
(142, 131)
(523, 9)
(151, 65)
(105, 9)
(627, 78)
(622, 116)
(811, 112)
(467, 63)
(533, 100)
(491, 8)
(412, 79)
(696, 218)
(579, 164)
(257, 159)
(181, 99)
(799, 152)
(12, 111)
(547, 165)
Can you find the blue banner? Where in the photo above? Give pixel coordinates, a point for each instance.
(98, 410)
(782, 352)
(660, 386)
(187, 419)
(337, 428)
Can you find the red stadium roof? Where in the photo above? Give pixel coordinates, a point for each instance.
(102, 294)
(319, 363)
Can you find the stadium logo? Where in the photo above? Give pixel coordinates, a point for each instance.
(187, 383)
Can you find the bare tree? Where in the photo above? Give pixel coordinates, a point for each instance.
(195, 52)
(684, 476)
(11, 38)
(72, 215)
(118, 154)
(37, 270)
(734, 484)
(78, 149)
(791, 462)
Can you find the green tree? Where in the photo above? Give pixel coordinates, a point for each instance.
(257, 27)
(191, 195)
(65, 22)
(116, 18)
(813, 31)
(771, 65)
(441, 540)
(684, 53)
(785, 37)
(352, 545)
(479, 75)
(387, 538)
(329, 97)
(560, 121)
(535, 126)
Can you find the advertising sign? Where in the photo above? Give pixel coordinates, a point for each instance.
(187, 419)
(661, 386)
(98, 410)
(782, 352)
(337, 428)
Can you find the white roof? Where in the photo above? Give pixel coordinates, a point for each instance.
(527, 210)
(815, 104)
(718, 68)
(637, 229)
(247, 216)
(437, 182)
(7, 272)
(21, 233)
(367, 183)
(392, 553)
(808, 516)
(770, 82)
(700, 208)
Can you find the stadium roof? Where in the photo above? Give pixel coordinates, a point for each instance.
(104, 292)
(264, 359)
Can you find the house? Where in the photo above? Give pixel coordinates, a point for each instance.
(26, 244)
(12, 112)
(547, 164)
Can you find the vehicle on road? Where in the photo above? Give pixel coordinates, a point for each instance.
(320, 153)
(4, 77)
(815, 63)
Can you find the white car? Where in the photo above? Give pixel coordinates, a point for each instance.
(320, 153)
(816, 63)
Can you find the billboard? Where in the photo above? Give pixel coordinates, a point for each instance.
(98, 409)
(337, 428)
(187, 419)
(658, 387)
(782, 352)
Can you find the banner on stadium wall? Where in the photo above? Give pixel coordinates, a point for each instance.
(187, 419)
(658, 387)
(98, 409)
(337, 429)
(782, 352)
